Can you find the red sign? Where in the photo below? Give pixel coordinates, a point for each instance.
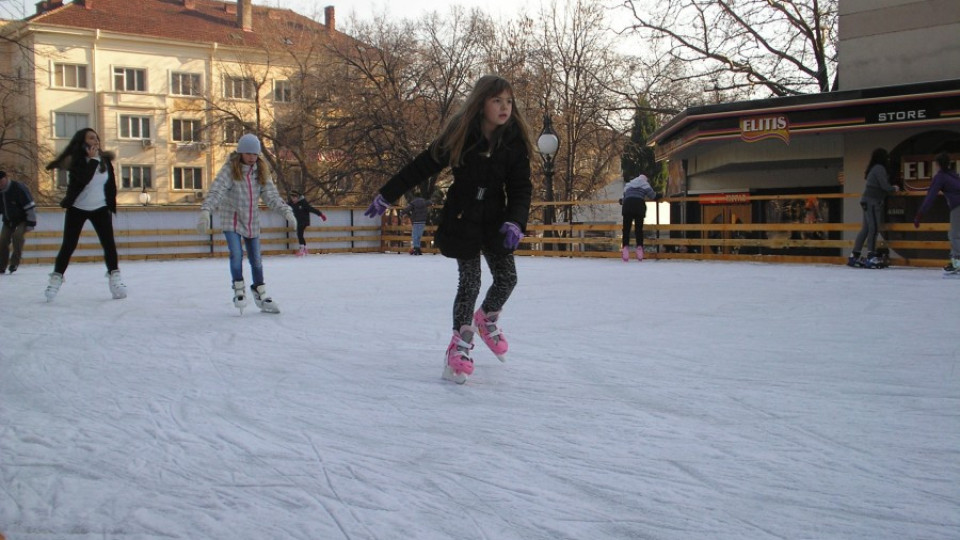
(724, 198)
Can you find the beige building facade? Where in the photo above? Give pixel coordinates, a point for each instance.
(170, 86)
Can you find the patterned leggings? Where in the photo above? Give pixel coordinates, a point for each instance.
(504, 272)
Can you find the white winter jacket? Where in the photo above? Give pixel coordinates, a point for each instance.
(238, 199)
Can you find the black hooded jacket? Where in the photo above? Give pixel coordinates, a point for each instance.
(488, 189)
(80, 173)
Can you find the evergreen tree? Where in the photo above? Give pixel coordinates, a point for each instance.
(638, 158)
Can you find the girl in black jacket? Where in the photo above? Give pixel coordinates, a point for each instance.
(487, 146)
(91, 195)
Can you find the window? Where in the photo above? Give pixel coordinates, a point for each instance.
(66, 124)
(129, 79)
(134, 127)
(188, 178)
(185, 84)
(282, 91)
(232, 131)
(235, 88)
(69, 76)
(61, 179)
(136, 177)
(186, 130)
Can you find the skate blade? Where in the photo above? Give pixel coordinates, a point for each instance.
(502, 358)
(449, 375)
(951, 275)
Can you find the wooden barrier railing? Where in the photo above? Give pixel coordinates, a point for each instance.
(767, 242)
(141, 239)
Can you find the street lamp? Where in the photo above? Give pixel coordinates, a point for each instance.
(547, 144)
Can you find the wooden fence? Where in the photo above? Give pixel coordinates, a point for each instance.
(169, 233)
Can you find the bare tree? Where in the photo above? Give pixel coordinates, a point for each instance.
(584, 79)
(19, 152)
(740, 47)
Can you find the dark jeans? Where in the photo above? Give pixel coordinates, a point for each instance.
(637, 221)
(73, 221)
(11, 234)
(504, 272)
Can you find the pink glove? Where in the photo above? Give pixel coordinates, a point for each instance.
(323, 216)
(377, 207)
(916, 221)
(512, 235)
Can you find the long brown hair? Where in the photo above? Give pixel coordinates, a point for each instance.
(454, 135)
(263, 173)
(879, 157)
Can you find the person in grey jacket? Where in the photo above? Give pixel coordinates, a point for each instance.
(19, 217)
(417, 210)
(242, 182)
(875, 193)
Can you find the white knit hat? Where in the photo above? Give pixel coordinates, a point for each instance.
(248, 144)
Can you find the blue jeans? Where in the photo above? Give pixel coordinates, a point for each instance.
(418, 233)
(235, 243)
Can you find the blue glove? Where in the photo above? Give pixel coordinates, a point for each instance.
(377, 207)
(512, 235)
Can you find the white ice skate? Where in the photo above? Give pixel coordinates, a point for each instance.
(264, 302)
(117, 287)
(239, 296)
(53, 287)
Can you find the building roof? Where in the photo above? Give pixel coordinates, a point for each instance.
(867, 108)
(206, 21)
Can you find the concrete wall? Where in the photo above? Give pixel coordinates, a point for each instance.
(891, 42)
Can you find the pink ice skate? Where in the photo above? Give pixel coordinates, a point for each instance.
(490, 333)
(640, 253)
(625, 253)
(459, 365)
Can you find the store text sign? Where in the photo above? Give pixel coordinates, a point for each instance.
(723, 198)
(758, 128)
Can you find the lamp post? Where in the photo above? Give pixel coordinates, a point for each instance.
(547, 144)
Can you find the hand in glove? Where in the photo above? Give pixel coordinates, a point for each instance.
(203, 222)
(288, 215)
(916, 221)
(511, 235)
(323, 217)
(377, 207)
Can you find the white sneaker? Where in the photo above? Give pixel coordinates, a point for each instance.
(53, 287)
(117, 288)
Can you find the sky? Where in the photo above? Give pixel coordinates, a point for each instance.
(652, 400)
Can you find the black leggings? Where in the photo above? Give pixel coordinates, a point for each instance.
(504, 272)
(300, 229)
(637, 219)
(73, 221)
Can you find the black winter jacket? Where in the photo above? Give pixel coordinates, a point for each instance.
(17, 206)
(302, 211)
(487, 190)
(80, 174)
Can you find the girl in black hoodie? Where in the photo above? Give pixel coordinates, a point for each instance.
(487, 146)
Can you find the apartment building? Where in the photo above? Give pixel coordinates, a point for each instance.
(170, 85)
